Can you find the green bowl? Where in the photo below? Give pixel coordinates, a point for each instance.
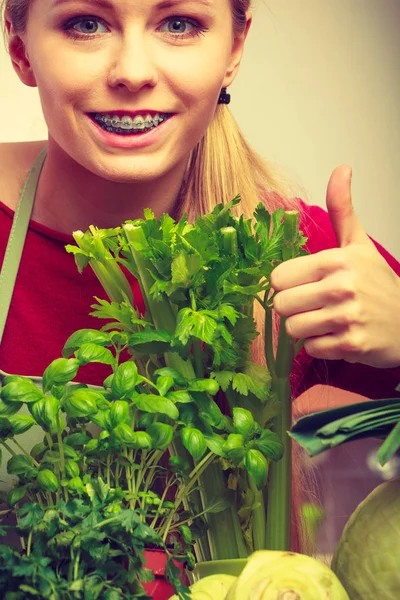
(233, 566)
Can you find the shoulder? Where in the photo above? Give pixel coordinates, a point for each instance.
(16, 158)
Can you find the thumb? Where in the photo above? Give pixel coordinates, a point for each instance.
(347, 227)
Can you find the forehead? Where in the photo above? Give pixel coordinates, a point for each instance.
(158, 4)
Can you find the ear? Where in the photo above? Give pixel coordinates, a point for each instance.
(19, 54)
(237, 52)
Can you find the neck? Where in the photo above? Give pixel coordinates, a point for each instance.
(69, 197)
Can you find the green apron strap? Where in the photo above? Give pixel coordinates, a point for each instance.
(17, 237)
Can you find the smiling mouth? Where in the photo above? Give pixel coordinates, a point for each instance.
(128, 125)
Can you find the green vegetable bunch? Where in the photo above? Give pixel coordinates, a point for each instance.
(150, 459)
(109, 454)
(200, 283)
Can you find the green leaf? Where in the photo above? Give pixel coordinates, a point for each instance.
(16, 494)
(128, 519)
(30, 516)
(157, 404)
(151, 341)
(181, 397)
(21, 391)
(75, 485)
(257, 467)
(61, 370)
(119, 413)
(125, 435)
(224, 378)
(82, 402)
(209, 410)
(243, 423)
(210, 386)
(186, 534)
(72, 468)
(194, 442)
(260, 380)
(227, 311)
(179, 270)
(21, 465)
(161, 435)
(234, 448)
(84, 336)
(45, 413)
(389, 446)
(242, 383)
(47, 480)
(9, 408)
(124, 380)
(270, 445)
(164, 384)
(195, 324)
(168, 372)
(5, 428)
(91, 353)
(21, 423)
(215, 443)
(77, 439)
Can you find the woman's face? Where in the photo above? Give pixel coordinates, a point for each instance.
(119, 57)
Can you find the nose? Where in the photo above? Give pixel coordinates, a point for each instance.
(132, 64)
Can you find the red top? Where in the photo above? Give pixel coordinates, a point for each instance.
(52, 300)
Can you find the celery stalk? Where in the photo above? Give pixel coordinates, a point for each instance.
(224, 527)
(280, 479)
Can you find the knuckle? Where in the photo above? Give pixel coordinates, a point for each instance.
(290, 327)
(351, 343)
(342, 288)
(279, 304)
(275, 279)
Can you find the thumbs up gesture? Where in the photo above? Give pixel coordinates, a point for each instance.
(344, 302)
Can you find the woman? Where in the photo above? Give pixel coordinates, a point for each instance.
(164, 64)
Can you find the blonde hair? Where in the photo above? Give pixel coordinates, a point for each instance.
(220, 166)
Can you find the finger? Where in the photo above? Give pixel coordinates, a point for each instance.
(347, 227)
(307, 269)
(341, 345)
(300, 299)
(324, 321)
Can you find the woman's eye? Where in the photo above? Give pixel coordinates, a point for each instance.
(180, 27)
(84, 26)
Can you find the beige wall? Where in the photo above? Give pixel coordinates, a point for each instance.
(319, 86)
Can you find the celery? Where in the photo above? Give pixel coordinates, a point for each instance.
(280, 480)
(223, 528)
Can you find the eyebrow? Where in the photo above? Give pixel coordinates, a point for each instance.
(165, 4)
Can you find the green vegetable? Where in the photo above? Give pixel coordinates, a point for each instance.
(367, 557)
(213, 587)
(274, 575)
(47, 481)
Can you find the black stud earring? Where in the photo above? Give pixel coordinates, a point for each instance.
(224, 97)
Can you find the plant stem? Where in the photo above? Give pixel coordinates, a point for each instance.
(269, 351)
(224, 534)
(280, 480)
(7, 447)
(62, 456)
(25, 452)
(258, 518)
(28, 549)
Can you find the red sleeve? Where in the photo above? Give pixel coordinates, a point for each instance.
(368, 381)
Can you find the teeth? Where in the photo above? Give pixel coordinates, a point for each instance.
(126, 122)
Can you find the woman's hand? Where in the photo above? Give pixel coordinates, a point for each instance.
(345, 302)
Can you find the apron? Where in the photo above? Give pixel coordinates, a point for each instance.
(8, 275)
